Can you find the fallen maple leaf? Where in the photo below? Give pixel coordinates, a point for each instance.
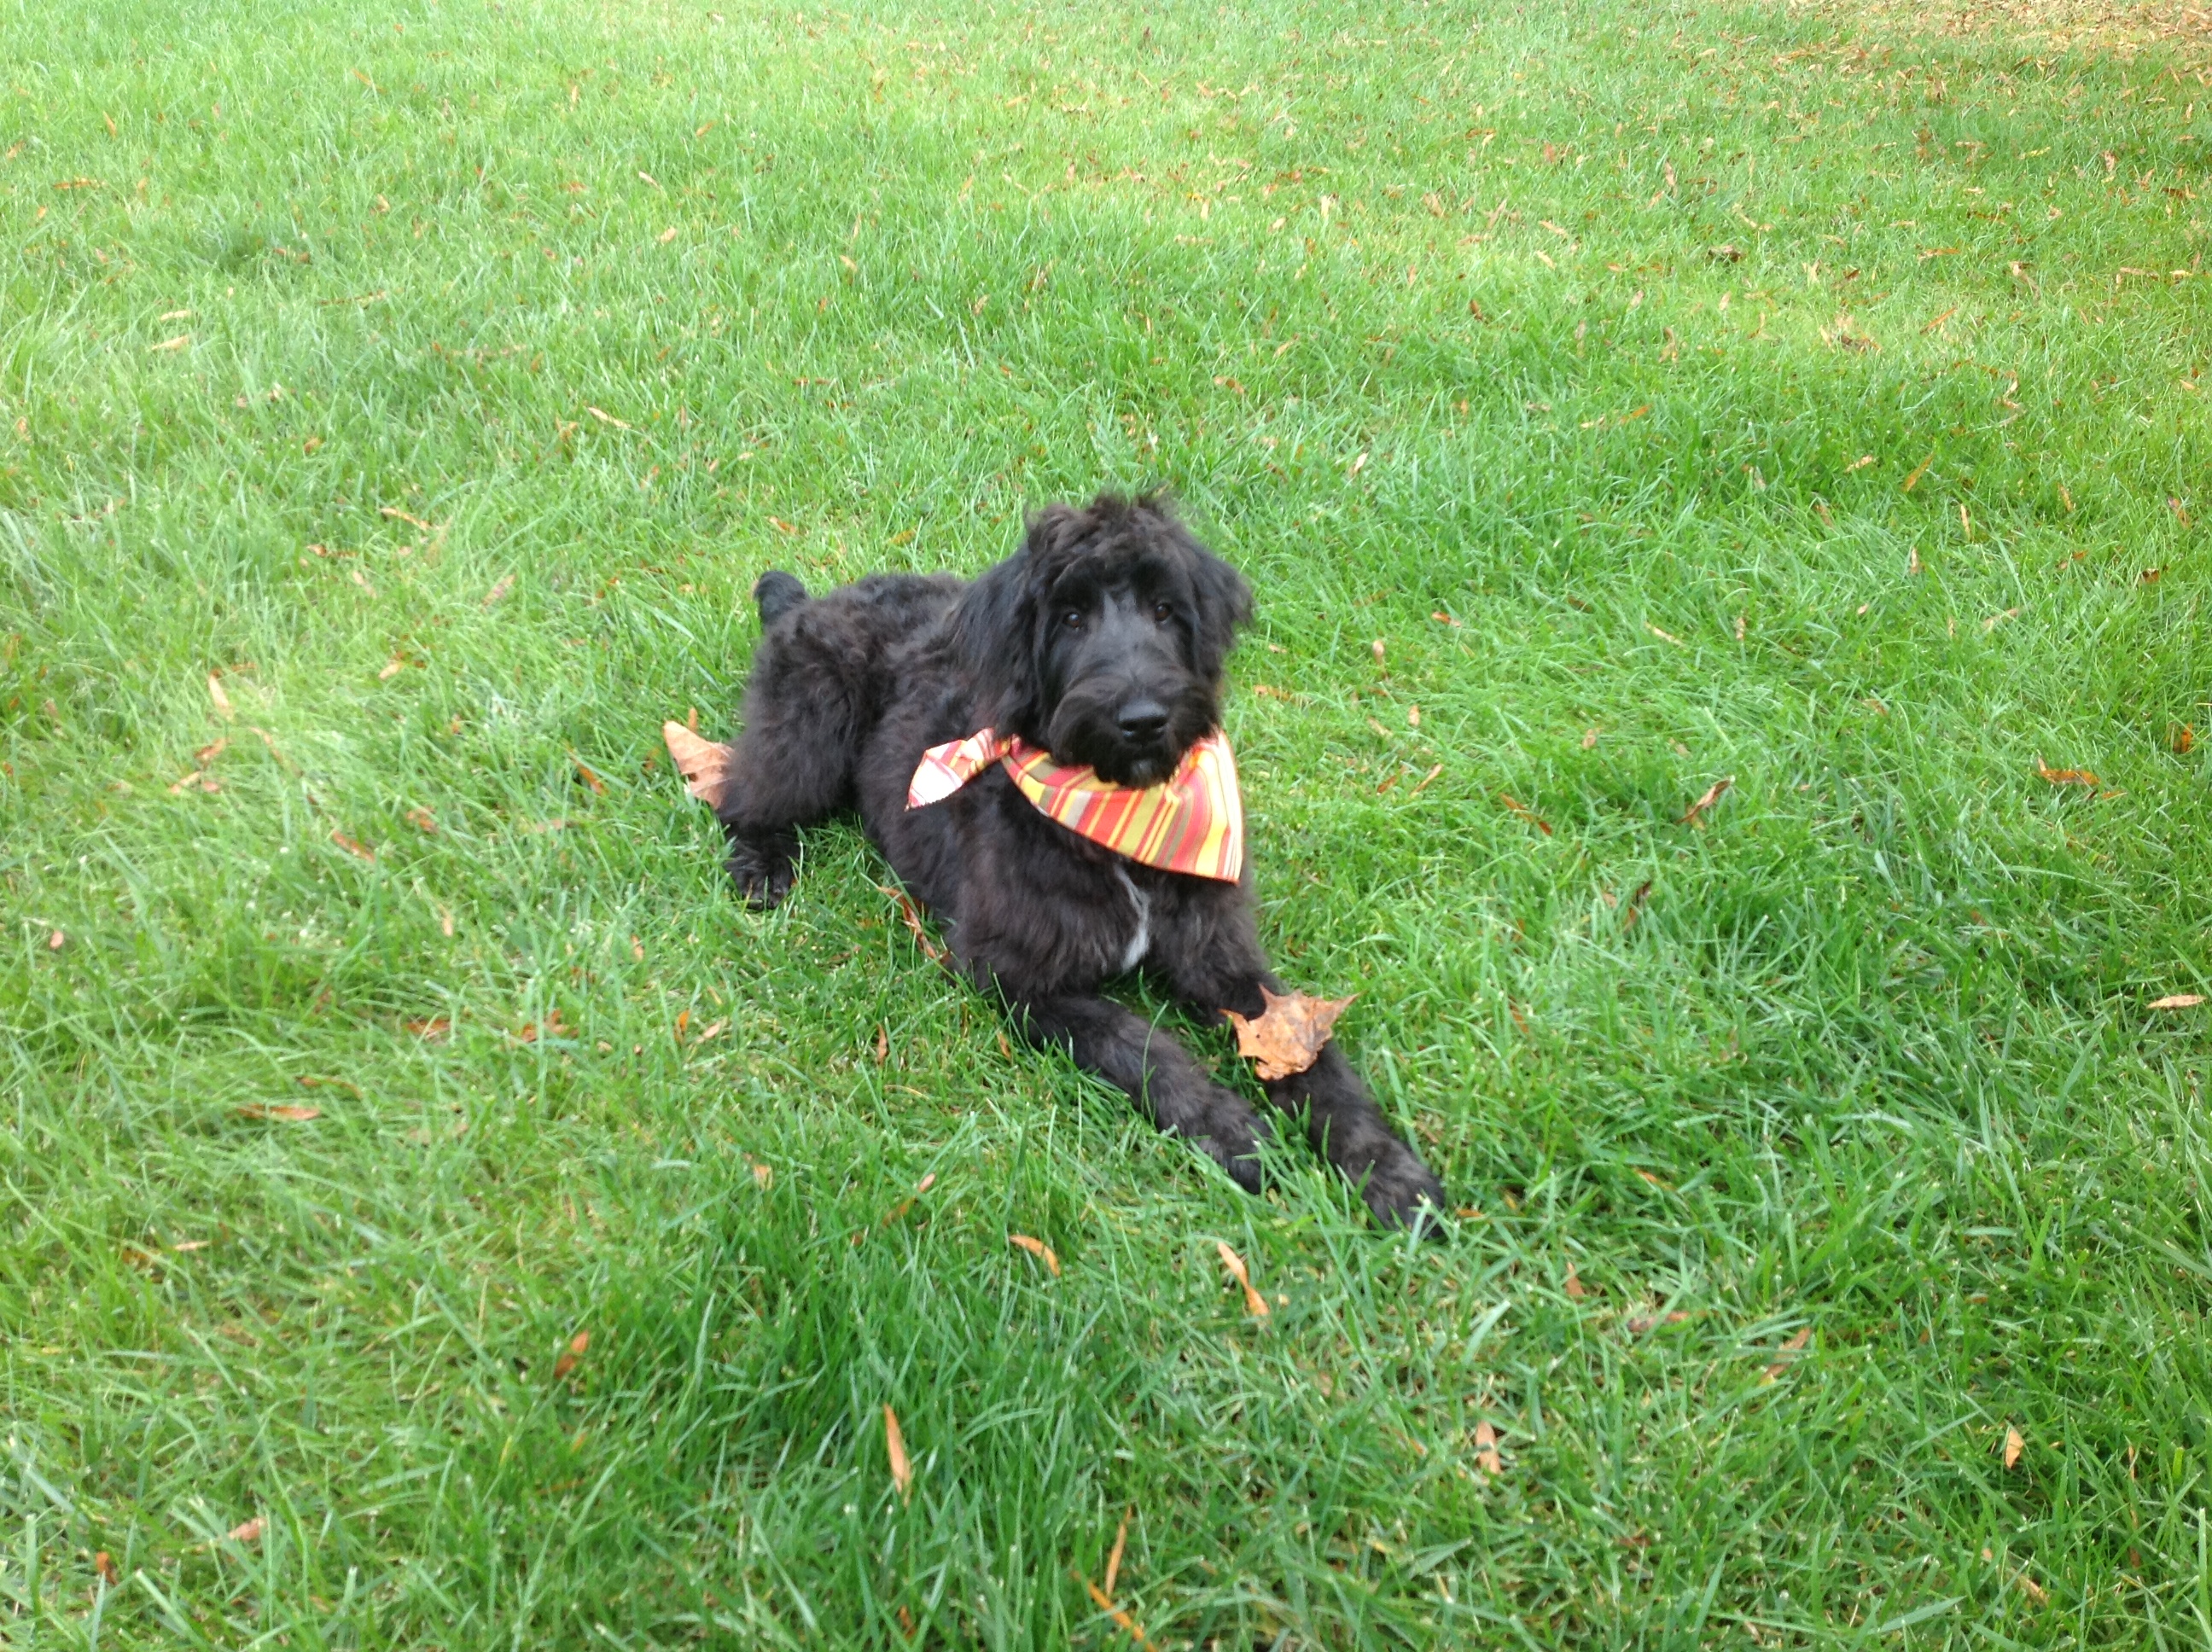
(571, 1354)
(1711, 797)
(1486, 1450)
(2065, 776)
(2178, 1001)
(287, 1110)
(247, 1531)
(1255, 1303)
(1043, 1252)
(1287, 1037)
(894, 1445)
(2013, 1445)
(704, 765)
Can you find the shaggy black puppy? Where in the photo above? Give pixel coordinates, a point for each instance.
(1103, 642)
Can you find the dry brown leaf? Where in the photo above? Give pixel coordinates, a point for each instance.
(422, 820)
(1255, 1303)
(2178, 1001)
(1791, 1348)
(1664, 636)
(1422, 784)
(682, 1020)
(350, 846)
(2182, 739)
(608, 418)
(762, 1176)
(894, 1443)
(912, 914)
(247, 1531)
(1287, 1037)
(599, 787)
(104, 1564)
(434, 1027)
(1711, 797)
(704, 765)
(1114, 1560)
(1041, 1251)
(1918, 471)
(223, 707)
(1590, 738)
(2014, 1445)
(392, 667)
(1525, 813)
(286, 1111)
(505, 584)
(208, 754)
(56, 941)
(1122, 1620)
(1575, 1288)
(2065, 776)
(2034, 1590)
(1486, 1450)
(571, 1354)
(883, 1043)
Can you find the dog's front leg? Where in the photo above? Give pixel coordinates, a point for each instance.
(1226, 970)
(1168, 1087)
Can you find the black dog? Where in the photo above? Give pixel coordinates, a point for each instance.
(1103, 642)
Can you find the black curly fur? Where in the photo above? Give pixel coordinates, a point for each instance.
(1103, 640)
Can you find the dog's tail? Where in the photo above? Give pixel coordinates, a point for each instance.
(776, 593)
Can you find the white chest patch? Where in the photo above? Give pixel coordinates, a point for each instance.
(1141, 942)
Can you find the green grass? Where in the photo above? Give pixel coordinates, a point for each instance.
(518, 338)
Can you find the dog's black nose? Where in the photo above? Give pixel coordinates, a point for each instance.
(1142, 720)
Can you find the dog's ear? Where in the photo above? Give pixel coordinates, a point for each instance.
(995, 627)
(1225, 607)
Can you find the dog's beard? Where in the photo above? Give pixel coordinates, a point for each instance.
(1082, 729)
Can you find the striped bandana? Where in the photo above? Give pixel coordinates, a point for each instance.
(1192, 822)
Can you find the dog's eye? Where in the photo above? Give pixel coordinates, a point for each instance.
(1072, 619)
(1162, 612)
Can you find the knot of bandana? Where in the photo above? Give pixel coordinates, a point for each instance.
(1192, 822)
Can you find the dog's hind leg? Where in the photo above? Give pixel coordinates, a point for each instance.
(792, 765)
(1167, 1086)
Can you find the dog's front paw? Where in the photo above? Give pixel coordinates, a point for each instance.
(762, 879)
(1230, 1135)
(1403, 1192)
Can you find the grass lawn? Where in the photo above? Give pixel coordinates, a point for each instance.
(433, 1213)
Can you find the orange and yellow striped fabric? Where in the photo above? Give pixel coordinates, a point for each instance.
(1192, 822)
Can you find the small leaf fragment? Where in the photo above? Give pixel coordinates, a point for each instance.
(2178, 1001)
(2014, 1445)
(1486, 1448)
(216, 692)
(247, 1531)
(894, 1445)
(571, 1354)
(1790, 1349)
(2065, 776)
(1712, 796)
(1255, 1303)
(1038, 1249)
(288, 1111)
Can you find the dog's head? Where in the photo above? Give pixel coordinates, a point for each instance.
(1103, 640)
